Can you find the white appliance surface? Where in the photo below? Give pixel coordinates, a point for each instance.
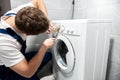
(81, 49)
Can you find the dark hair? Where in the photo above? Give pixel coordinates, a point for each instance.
(31, 20)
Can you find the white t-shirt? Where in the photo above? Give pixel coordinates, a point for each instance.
(9, 47)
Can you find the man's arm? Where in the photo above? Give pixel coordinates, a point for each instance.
(27, 69)
(40, 5)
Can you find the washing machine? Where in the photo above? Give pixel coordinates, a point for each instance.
(81, 49)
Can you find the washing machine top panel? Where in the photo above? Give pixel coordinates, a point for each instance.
(66, 28)
(64, 54)
(75, 27)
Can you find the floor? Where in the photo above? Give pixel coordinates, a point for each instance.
(50, 77)
(46, 72)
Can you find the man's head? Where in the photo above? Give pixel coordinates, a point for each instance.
(32, 21)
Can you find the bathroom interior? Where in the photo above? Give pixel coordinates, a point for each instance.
(78, 9)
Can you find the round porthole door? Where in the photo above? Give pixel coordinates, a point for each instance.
(64, 54)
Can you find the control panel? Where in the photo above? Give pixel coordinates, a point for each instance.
(70, 28)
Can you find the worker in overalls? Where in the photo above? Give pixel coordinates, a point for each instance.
(15, 25)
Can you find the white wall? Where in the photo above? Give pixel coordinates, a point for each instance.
(15, 3)
(59, 9)
(35, 42)
(80, 9)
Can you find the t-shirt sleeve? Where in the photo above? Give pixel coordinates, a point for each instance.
(10, 52)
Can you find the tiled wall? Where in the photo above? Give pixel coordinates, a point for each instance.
(15, 3)
(59, 9)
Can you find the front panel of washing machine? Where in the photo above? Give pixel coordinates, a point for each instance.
(64, 54)
(85, 45)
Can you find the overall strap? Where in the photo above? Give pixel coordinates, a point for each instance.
(10, 14)
(10, 32)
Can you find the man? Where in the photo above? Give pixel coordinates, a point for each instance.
(15, 25)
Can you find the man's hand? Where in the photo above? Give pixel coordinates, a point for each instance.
(50, 29)
(49, 42)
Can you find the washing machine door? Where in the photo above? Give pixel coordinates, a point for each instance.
(64, 54)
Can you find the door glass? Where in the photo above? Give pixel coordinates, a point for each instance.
(62, 50)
